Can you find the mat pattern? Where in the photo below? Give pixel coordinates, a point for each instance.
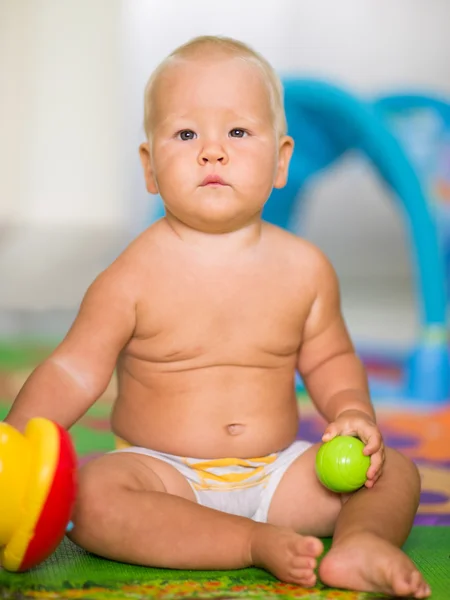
(74, 573)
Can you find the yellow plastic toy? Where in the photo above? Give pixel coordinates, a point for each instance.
(37, 491)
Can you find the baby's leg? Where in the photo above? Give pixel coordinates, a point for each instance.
(370, 526)
(137, 509)
(370, 530)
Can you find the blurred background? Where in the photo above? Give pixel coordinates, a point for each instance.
(72, 195)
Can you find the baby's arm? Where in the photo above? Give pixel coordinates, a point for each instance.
(333, 374)
(65, 385)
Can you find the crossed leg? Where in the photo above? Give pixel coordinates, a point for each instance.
(138, 509)
(368, 527)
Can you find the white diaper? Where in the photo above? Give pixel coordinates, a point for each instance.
(239, 486)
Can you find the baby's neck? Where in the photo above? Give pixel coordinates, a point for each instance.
(241, 238)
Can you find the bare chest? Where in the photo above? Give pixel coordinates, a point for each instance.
(237, 317)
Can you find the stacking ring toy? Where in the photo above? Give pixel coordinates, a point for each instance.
(37, 492)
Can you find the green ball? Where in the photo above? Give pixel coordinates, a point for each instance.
(341, 465)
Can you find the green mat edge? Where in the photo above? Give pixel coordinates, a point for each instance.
(72, 568)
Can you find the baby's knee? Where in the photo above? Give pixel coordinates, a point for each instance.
(91, 505)
(401, 470)
(398, 460)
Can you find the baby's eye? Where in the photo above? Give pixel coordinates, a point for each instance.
(186, 134)
(239, 133)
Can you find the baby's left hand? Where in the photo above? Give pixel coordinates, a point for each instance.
(357, 423)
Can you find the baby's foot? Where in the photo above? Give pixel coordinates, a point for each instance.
(287, 555)
(367, 563)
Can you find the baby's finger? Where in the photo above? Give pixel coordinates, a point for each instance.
(371, 482)
(378, 475)
(373, 441)
(330, 432)
(376, 464)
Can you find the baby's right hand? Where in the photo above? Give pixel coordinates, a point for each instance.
(360, 424)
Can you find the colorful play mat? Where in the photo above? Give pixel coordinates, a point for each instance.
(74, 574)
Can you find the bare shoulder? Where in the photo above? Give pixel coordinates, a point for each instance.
(303, 256)
(127, 270)
(142, 249)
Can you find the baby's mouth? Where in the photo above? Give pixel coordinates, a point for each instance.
(213, 180)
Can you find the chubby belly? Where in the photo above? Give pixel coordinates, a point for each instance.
(208, 412)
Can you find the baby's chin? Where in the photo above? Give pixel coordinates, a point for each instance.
(215, 215)
(217, 222)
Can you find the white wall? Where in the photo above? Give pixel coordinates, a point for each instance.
(61, 112)
(66, 67)
(367, 44)
(72, 75)
(66, 137)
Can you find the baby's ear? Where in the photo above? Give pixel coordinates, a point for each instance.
(144, 153)
(286, 148)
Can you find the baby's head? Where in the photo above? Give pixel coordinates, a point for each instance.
(218, 48)
(216, 130)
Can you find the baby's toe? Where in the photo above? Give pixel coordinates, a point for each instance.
(408, 583)
(304, 577)
(304, 562)
(309, 546)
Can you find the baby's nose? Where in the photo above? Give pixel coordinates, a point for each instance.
(213, 153)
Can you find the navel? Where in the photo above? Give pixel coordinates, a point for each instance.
(235, 428)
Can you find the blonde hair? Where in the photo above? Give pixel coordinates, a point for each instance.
(232, 47)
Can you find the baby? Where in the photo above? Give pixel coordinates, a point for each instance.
(207, 316)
